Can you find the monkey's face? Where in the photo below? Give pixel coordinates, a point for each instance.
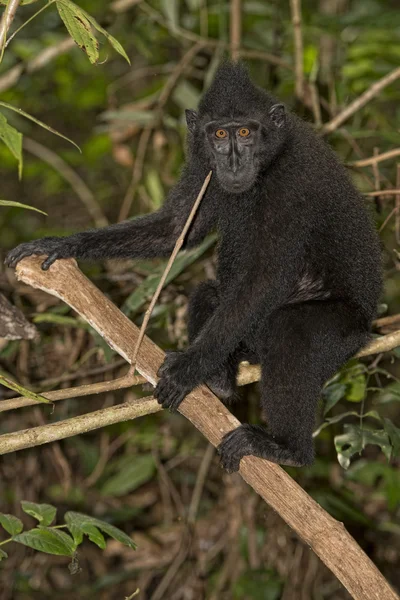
(238, 148)
(234, 151)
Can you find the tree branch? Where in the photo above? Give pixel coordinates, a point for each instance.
(235, 29)
(295, 8)
(6, 20)
(361, 101)
(326, 536)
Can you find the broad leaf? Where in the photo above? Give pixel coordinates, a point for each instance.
(3, 554)
(114, 42)
(78, 26)
(11, 524)
(78, 522)
(51, 541)
(13, 140)
(94, 535)
(44, 513)
(394, 435)
(139, 470)
(354, 440)
(78, 23)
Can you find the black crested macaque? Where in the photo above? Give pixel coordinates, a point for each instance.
(299, 266)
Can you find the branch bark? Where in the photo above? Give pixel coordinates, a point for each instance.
(326, 536)
(295, 8)
(7, 19)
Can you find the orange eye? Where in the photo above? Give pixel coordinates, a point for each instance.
(221, 133)
(244, 132)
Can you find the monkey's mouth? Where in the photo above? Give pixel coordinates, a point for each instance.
(236, 185)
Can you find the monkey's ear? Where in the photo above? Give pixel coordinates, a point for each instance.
(191, 119)
(278, 114)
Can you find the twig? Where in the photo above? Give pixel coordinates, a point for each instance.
(211, 42)
(383, 193)
(75, 181)
(327, 537)
(295, 7)
(6, 20)
(175, 251)
(372, 160)
(137, 172)
(361, 101)
(121, 383)
(11, 77)
(199, 485)
(386, 221)
(27, 438)
(235, 29)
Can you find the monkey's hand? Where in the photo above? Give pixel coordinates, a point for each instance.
(53, 247)
(177, 379)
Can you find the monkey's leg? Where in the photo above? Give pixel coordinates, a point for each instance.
(306, 344)
(202, 304)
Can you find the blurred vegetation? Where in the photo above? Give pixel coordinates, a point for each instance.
(200, 533)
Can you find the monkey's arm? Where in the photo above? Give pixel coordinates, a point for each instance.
(145, 237)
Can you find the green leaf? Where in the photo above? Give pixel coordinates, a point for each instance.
(114, 42)
(78, 522)
(3, 554)
(13, 140)
(332, 394)
(44, 513)
(332, 420)
(357, 390)
(38, 122)
(94, 535)
(394, 435)
(147, 288)
(19, 205)
(354, 440)
(137, 472)
(11, 524)
(78, 26)
(45, 539)
(78, 23)
(23, 391)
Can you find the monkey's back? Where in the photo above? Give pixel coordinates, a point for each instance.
(342, 258)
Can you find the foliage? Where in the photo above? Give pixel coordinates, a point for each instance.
(50, 539)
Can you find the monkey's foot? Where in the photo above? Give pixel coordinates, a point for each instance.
(174, 382)
(254, 440)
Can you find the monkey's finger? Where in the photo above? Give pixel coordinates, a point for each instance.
(49, 261)
(13, 257)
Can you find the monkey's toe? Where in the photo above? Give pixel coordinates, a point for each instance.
(168, 394)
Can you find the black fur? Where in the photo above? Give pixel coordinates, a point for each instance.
(299, 272)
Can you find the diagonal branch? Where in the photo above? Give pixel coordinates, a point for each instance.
(361, 101)
(327, 537)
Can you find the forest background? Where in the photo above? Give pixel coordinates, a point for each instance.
(200, 533)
